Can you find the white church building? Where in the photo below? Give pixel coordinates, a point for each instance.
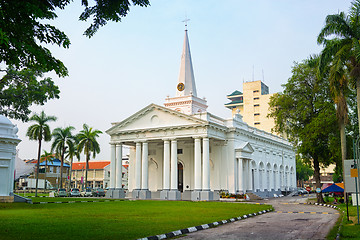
(181, 151)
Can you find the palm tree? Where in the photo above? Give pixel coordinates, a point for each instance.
(71, 153)
(345, 46)
(39, 131)
(47, 156)
(87, 142)
(339, 88)
(63, 140)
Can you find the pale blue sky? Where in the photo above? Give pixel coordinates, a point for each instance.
(128, 65)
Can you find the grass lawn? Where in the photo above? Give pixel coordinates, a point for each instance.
(65, 199)
(45, 198)
(112, 220)
(349, 229)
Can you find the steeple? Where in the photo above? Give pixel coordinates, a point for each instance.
(186, 81)
(186, 100)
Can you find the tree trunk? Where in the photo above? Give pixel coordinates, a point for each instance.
(87, 167)
(358, 99)
(343, 152)
(61, 167)
(37, 169)
(71, 162)
(45, 174)
(317, 180)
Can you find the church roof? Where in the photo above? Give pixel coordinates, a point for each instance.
(186, 75)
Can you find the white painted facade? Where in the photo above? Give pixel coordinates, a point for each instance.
(182, 153)
(8, 142)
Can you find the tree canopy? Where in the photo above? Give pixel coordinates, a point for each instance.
(306, 113)
(340, 37)
(20, 89)
(25, 30)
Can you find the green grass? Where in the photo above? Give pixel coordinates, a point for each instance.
(44, 197)
(32, 194)
(349, 229)
(112, 220)
(65, 199)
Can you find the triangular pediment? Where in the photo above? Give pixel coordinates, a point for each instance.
(244, 150)
(154, 117)
(245, 147)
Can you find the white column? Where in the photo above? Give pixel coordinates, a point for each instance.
(265, 178)
(272, 179)
(256, 179)
(197, 165)
(275, 179)
(246, 175)
(119, 166)
(174, 166)
(144, 168)
(288, 180)
(206, 165)
(240, 175)
(260, 179)
(112, 166)
(138, 166)
(250, 176)
(166, 177)
(224, 169)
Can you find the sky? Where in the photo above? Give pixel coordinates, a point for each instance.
(131, 64)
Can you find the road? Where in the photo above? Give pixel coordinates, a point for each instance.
(292, 219)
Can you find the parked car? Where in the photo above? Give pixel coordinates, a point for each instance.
(98, 192)
(61, 192)
(302, 191)
(74, 192)
(87, 192)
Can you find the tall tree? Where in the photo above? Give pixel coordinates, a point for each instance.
(25, 30)
(88, 144)
(303, 171)
(338, 79)
(39, 131)
(306, 113)
(47, 157)
(341, 39)
(70, 154)
(63, 140)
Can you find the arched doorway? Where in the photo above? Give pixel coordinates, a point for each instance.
(180, 177)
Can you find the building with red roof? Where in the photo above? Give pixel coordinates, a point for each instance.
(98, 174)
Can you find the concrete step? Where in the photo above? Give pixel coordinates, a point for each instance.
(253, 196)
(18, 198)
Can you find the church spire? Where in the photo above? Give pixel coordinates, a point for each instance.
(186, 81)
(186, 100)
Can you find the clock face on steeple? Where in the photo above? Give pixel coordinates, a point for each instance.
(180, 87)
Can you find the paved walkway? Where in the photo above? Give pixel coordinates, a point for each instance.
(292, 219)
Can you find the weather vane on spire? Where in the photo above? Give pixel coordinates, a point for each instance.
(185, 21)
